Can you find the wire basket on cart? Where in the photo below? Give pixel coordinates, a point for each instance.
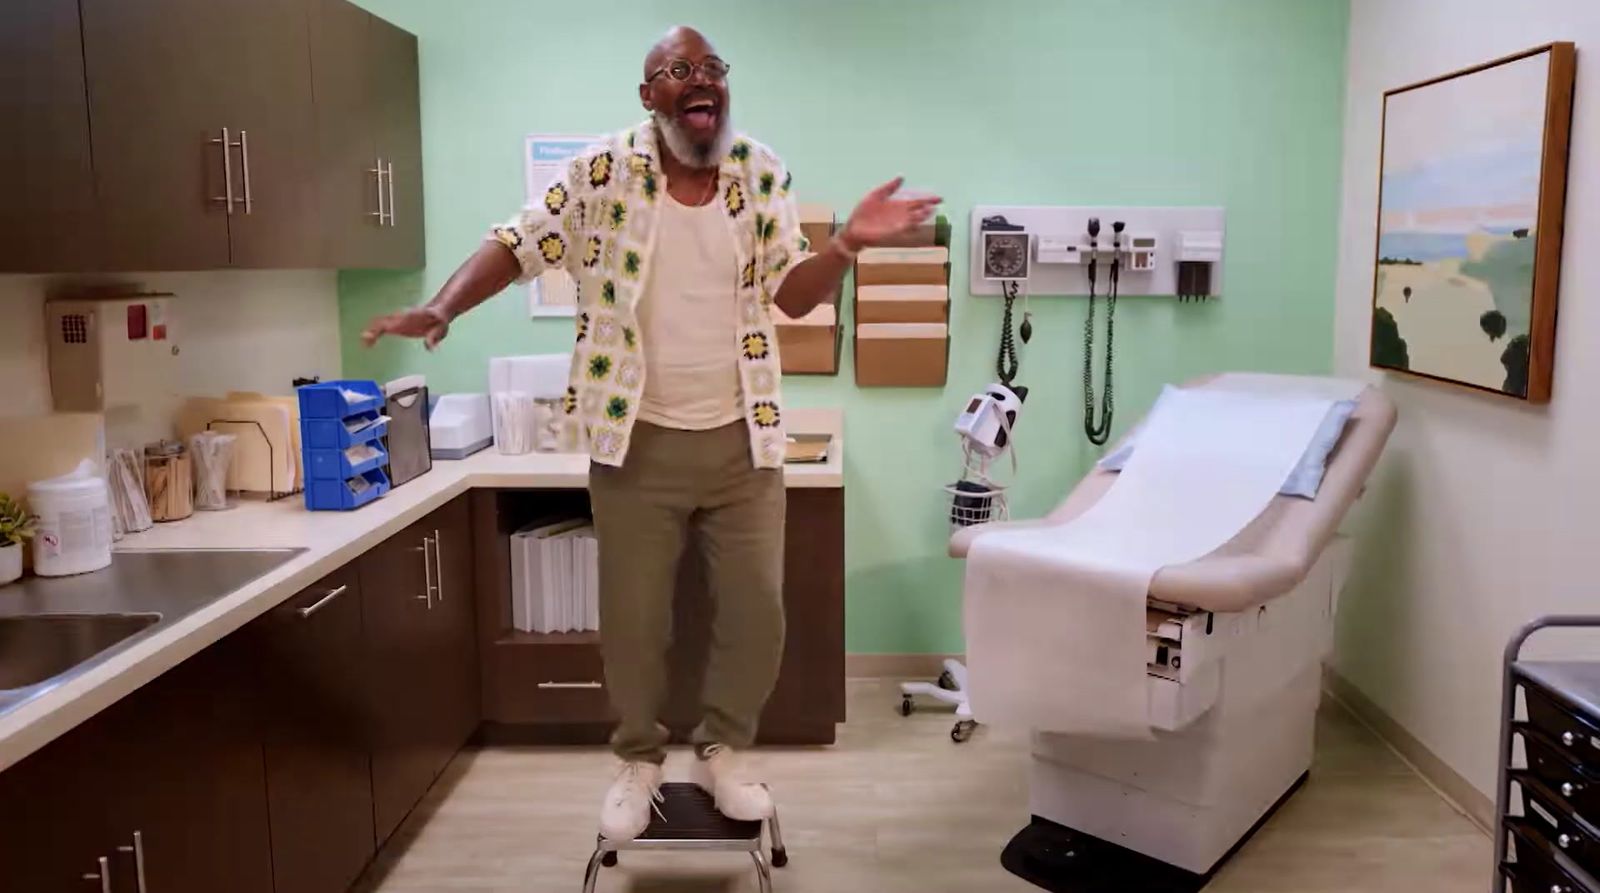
(976, 502)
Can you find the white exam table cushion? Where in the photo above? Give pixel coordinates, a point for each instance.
(1272, 554)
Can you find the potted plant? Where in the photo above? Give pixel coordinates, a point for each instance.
(16, 527)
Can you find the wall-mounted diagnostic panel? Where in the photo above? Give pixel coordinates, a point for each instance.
(1171, 252)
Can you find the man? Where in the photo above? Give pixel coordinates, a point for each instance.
(681, 235)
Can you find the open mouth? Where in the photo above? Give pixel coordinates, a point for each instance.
(700, 112)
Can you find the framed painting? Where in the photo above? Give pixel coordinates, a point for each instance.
(1471, 191)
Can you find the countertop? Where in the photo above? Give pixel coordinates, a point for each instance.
(330, 540)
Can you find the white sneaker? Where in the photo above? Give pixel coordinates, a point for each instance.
(719, 772)
(626, 811)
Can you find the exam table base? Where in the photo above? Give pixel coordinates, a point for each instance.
(1061, 860)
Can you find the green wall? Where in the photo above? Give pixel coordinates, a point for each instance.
(1229, 102)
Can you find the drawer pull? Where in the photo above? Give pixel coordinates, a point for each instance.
(1568, 739)
(1568, 789)
(1564, 841)
(322, 602)
(103, 876)
(584, 685)
(137, 849)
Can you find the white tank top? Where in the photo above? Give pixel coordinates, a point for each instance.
(688, 320)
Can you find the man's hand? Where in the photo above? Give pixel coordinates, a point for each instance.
(428, 323)
(881, 216)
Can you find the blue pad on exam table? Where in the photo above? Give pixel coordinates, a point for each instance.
(1306, 477)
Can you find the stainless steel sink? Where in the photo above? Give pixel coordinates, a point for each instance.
(36, 647)
(54, 629)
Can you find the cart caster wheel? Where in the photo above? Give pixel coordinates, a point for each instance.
(962, 732)
(780, 858)
(609, 860)
(947, 681)
(907, 706)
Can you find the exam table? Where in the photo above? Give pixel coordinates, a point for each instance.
(1236, 641)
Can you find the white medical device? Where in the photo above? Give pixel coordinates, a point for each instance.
(988, 418)
(460, 426)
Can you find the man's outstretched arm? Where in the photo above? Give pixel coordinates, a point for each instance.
(879, 217)
(485, 274)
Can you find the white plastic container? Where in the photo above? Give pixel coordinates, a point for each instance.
(74, 533)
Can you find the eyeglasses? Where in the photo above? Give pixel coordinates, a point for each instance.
(682, 69)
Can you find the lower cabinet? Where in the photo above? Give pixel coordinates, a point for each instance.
(275, 761)
(314, 708)
(421, 657)
(550, 688)
(162, 792)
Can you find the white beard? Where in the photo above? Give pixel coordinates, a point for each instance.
(700, 157)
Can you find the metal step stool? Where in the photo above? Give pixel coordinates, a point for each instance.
(689, 820)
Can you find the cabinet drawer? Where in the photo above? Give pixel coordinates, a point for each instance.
(1535, 869)
(1579, 788)
(1577, 737)
(1546, 817)
(568, 682)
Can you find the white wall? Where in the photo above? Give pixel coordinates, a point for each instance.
(250, 331)
(1484, 514)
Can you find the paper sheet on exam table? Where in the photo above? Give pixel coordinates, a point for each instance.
(1055, 616)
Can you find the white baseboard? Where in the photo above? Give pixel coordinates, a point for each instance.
(1448, 782)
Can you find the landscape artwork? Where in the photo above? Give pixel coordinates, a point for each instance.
(1469, 224)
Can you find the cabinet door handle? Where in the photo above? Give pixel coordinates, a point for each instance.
(427, 570)
(104, 876)
(137, 849)
(562, 685)
(227, 170)
(438, 563)
(377, 172)
(388, 172)
(244, 158)
(318, 605)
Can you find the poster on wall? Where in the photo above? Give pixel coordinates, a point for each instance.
(545, 157)
(1472, 184)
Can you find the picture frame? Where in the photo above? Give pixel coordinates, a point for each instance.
(1471, 201)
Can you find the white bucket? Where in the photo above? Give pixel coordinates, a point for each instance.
(74, 533)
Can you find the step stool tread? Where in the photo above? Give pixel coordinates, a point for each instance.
(689, 813)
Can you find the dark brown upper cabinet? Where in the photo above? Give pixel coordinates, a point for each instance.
(148, 135)
(47, 218)
(369, 138)
(203, 132)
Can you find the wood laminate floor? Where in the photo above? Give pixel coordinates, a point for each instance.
(897, 807)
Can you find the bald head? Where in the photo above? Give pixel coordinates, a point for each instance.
(685, 89)
(680, 42)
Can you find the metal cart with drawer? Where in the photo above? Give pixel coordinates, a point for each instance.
(1548, 808)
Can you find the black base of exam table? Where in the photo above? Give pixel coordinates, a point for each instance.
(1062, 860)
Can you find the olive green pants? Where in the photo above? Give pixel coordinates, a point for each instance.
(674, 484)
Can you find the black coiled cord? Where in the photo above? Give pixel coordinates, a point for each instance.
(1006, 365)
(1099, 432)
